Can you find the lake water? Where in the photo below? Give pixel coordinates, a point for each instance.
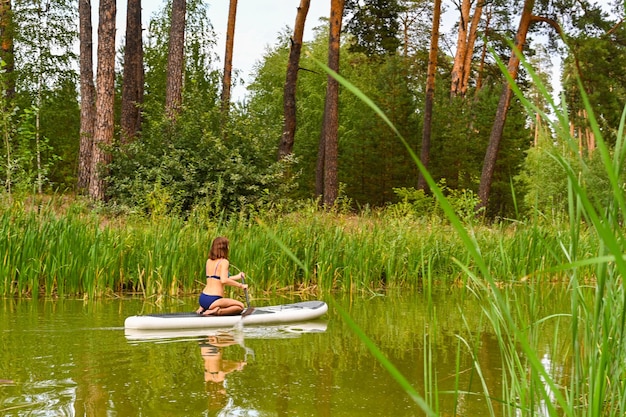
(73, 358)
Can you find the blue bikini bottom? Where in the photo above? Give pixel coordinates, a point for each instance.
(206, 300)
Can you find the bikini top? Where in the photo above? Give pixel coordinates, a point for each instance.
(215, 276)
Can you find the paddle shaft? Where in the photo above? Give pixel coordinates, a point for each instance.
(245, 291)
(243, 281)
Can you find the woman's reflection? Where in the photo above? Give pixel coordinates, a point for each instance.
(216, 368)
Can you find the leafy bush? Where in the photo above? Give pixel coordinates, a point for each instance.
(545, 181)
(176, 166)
(418, 203)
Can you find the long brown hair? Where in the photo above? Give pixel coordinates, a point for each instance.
(219, 248)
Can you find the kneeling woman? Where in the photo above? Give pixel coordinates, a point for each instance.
(212, 301)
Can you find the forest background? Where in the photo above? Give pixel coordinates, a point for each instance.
(158, 132)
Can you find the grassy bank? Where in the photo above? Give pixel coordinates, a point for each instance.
(70, 249)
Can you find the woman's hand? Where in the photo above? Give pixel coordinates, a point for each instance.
(242, 277)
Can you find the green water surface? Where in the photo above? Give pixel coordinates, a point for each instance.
(73, 358)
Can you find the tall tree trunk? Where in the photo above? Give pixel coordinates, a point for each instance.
(132, 85)
(228, 59)
(461, 48)
(491, 156)
(175, 60)
(104, 129)
(87, 95)
(330, 131)
(469, 51)
(7, 54)
(483, 55)
(430, 93)
(289, 96)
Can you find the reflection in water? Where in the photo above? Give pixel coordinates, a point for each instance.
(216, 368)
(556, 371)
(67, 357)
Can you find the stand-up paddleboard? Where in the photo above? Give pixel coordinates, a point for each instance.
(270, 331)
(284, 313)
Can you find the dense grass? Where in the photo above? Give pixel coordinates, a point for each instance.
(593, 331)
(69, 249)
(588, 254)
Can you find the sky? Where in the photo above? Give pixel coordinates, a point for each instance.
(257, 27)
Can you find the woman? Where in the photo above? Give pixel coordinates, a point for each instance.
(212, 301)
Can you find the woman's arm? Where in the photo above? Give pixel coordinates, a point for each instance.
(233, 281)
(238, 277)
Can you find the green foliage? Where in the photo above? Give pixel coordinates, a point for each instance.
(20, 168)
(413, 202)
(416, 203)
(460, 141)
(265, 107)
(44, 249)
(201, 80)
(13, 156)
(43, 141)
(27, 134)
(372, 162)
(374, 26)
(545, 181)
(597, 54)
(44, 43)
(176, 166)
(40, 147)
(60, 124)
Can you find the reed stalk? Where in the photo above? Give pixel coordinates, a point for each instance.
(597, 320)
(76, 252)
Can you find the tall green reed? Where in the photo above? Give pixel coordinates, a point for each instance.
(597, 331)
(78, 252)
(47, 253)
(530, 386)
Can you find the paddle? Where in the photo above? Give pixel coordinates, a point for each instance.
(245, 291)
(248, 309)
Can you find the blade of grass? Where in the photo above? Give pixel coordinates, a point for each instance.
(393, 371)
